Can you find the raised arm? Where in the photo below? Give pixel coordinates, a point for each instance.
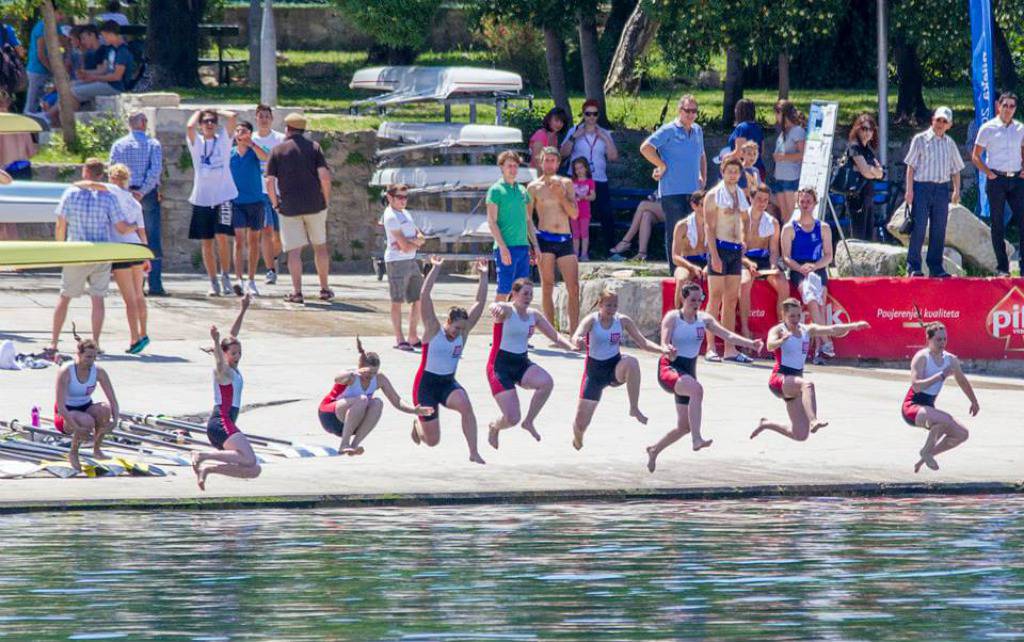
(481, 296)
(190, 127)
(389, 391)
(430, 323)
(236, 327)
(231, 120)
(221, 364)
(640, 340)
(965, 385)
(549, 331)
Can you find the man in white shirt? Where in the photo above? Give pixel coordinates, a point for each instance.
(404, 275)
(1002, 138)
(212, 191)
(267, 139)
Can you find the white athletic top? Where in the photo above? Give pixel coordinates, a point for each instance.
(931, 368)
(688, 337)
(441, 355)
(516, 331)
(79, 393)
(355, 389)
(793, 351)
(603, 343)
(234, 388)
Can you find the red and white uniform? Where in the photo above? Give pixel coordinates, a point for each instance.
(227, 400)
(78, 396)
(914, 401)
(603, 355)
(348, 391)
(687, 337)
(508, 361)
(790, 357)
(435, 379)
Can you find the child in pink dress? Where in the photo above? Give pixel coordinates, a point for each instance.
(585, 193)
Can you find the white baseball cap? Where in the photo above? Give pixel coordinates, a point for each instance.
(944, 112)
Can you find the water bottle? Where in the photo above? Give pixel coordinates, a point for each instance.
(35, 416)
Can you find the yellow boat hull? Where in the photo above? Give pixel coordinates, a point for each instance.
(23, 255)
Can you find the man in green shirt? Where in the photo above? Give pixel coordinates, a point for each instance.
(512, 230)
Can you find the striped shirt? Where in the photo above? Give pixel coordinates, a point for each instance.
(90, 214)
(934, 158)
(144, 157)
(1002, 144)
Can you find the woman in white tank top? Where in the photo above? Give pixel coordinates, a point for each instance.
(790, 341)
(435, 383)
(684, 330)
(928, 370)
(600, 334)
(77, 414)
(509, 365)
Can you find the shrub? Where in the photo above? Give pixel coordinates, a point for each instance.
(516, 46)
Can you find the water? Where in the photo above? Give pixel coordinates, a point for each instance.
(939, 568)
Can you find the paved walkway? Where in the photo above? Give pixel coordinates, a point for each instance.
(292, 354)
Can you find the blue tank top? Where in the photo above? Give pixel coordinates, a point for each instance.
(807, 246)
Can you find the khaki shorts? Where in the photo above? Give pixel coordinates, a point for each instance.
(74, 277)
(297, 231)
(404, 280)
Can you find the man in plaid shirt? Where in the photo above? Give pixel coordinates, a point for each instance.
(144, 157)
(86, 215)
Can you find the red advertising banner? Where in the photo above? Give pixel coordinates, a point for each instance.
(984, 317)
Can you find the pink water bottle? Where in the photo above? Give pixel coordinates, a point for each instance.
(35, 416)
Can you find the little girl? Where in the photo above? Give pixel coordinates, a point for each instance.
(583, 183)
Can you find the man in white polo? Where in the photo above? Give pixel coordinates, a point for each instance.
(1003, 140)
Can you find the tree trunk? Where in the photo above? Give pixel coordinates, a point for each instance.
(618, 16)
(268, 56)
(783, 74)
(910, 105)
(255, 23)
(733, 85)
(593, 79)
(60, 76)
(637, 36)
(1006, 75)
(173, 49)
(554, 54)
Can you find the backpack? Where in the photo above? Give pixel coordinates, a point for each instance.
(13, 77)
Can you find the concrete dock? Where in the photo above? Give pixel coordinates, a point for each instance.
(291, 355)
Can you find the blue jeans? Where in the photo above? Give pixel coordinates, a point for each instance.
(930, 211)
(151, 216)
(519, 269)
(676, 207)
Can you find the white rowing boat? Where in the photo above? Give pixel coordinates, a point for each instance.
(449, 134)
(418, 84)
(30, 201)
(447, 176)
(451, 226)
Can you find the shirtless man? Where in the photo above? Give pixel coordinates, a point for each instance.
(762, 256)
(689, 247)
(555, 201)
(724, 207)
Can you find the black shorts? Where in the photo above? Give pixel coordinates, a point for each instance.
(206, 222)
(732, 262)
(558, 248)
(433, 390)
(796, 277)
(507, 370)
(762, 262)
(83, 408)
(598, 374)
(331, 423)
(216, 431)
(247, 215)
(670, 371)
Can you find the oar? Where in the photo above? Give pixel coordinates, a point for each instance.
(90, 467)
(289, 448)
(55, 468)
(144, 440)
(165, 458)
(159, 433)
(11, 469)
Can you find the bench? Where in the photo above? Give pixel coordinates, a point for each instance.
(219, 32)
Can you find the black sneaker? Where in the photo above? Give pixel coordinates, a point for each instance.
(942, 275)
(915, 273)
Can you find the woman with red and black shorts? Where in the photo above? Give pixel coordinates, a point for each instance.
(435, 383)
(928, 370)
(509, 365)
(600, 334)
(684, 331)
(791, 341)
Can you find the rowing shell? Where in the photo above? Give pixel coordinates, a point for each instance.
(17, 255)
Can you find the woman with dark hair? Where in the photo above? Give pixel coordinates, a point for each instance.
(789, 156)
(547, 136)
(593, 142)
(862, 151)
(746, 129)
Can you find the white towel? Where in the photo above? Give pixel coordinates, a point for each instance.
(766, 226)
(724, 200)
(811, 289)
(691, 230)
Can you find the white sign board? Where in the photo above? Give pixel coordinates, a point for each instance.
(817, 165)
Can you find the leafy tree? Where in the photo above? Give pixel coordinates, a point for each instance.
(399, 28)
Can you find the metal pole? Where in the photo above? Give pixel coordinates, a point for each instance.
(268, 56)
(883, 83)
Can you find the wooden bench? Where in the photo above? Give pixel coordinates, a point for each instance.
(219, 32)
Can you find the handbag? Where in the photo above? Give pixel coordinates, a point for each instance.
(845, 177)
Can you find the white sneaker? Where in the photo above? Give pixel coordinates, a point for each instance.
(252, 289)
(214, 288)
(271, 277)
(225, 283)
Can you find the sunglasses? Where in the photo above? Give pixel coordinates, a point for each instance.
(590, 113)
(208, 121)
(401, 197)
(687, 110)
(867, 128)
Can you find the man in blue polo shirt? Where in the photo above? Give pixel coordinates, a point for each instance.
(680, 166)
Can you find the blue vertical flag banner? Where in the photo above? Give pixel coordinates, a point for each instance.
(983, 80)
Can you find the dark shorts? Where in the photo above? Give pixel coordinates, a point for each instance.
(58, 420)
(216, 431)
(433, 390)
(669, 373)
(247, 215)
(206, 222)
(507, 370)
(913, 403)
(558, 246)
(775, 380)
(598, 374)
(732, 259)
(126, 265)
(796, 277)
(777, 186)
(763, 262)
(331, 423)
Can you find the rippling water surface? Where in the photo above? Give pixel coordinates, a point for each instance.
(945, 569)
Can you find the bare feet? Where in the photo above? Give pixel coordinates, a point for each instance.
(528, 427)
(760, 427)
(99, 454)
(476, 458)
(652, 458)
(415, 433)
(928, 460)
(492, 435)
(639, 416)
(73, 460)
(201, 479)
(577, 438)
(358, 450)
(817, 425)
(703, 443)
